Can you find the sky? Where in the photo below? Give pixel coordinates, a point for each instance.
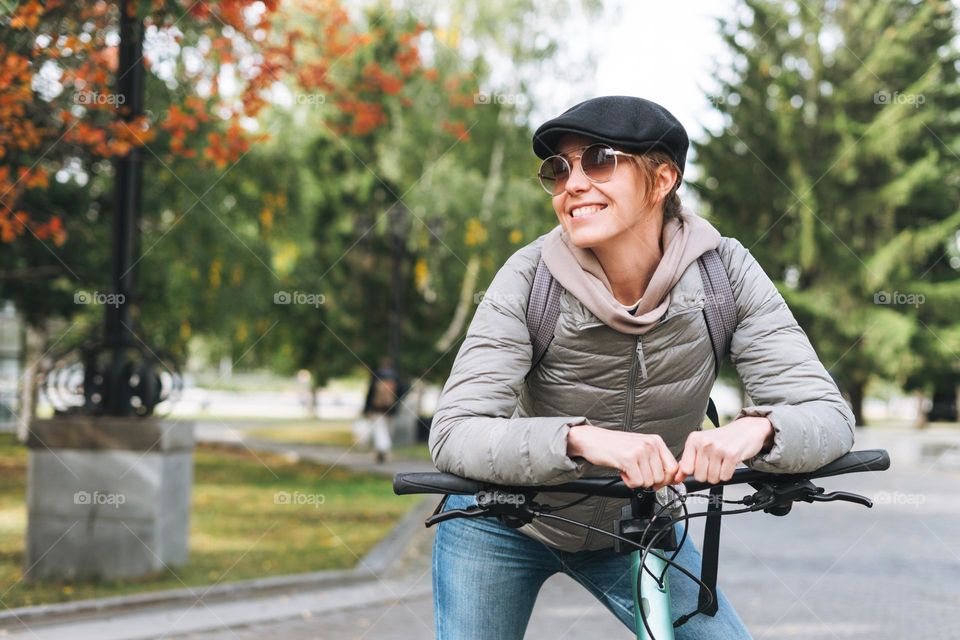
(662, 51)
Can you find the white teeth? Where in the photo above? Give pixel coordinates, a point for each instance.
(586, 211)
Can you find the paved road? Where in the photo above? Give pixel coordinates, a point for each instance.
(825, 571)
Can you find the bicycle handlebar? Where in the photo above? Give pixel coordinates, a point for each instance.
(447, 483)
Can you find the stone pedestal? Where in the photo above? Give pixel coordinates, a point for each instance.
(107, 497)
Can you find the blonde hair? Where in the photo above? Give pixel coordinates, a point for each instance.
(648, 163)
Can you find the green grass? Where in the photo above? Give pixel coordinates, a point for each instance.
(335, 433)
(237, 529)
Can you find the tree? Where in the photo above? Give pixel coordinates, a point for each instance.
(834, 166)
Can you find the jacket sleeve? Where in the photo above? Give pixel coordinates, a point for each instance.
(782, 374)
(474, 433)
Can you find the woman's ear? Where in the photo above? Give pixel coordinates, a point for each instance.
(666, 178)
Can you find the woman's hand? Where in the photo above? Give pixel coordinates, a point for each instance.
(711, 456)
(643, 460)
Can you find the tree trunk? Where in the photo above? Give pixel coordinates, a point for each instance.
(921, 422)
(944, 407)
(313, 404)
(469, 286)
(33, 342)
(857, 392)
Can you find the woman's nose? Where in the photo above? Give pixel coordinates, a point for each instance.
(577, 182)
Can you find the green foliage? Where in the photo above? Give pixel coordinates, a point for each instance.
(837, 164)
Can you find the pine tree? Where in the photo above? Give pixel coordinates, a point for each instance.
(838, 166)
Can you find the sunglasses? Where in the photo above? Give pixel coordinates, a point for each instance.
(598, 161)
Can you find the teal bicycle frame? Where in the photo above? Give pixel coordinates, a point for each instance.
(654, 603)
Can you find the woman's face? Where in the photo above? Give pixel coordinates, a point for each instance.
(595, 213)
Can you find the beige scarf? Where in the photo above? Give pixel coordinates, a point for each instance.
(579, 271)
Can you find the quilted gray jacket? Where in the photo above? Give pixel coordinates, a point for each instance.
(493, 425)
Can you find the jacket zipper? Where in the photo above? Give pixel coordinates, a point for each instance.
(636, 364)
(641, 359)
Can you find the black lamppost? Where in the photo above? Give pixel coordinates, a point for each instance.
(122, 375)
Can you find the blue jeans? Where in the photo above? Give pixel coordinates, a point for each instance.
(486, 577)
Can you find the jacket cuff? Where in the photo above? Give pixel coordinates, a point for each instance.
(770, 460)
(568, 468)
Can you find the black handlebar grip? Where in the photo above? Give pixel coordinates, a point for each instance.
(407, 483)
(855, 461)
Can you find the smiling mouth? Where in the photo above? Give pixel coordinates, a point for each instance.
(588, 211)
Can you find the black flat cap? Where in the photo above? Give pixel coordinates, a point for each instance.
(633, 124)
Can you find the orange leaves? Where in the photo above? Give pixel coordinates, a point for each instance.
(52, 229)
(181, 123)
(115, 138)
(381, 80)
(226, 148)
(16, 130)
(27, 15)
(313, 75)
(363, 117)
(107, 59)
(407, 60)
(14, 222)
(32, 178)
(18, 223)
(456, 129)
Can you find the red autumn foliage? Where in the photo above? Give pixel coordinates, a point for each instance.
(58, 66)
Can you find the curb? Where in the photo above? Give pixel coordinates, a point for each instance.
(378, 560)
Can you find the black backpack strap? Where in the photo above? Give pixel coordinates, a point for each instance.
(543, 309)
(720, 313)
(719, 306)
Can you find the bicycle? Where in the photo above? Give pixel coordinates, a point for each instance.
(644, 530)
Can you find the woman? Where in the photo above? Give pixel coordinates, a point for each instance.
(625, 383)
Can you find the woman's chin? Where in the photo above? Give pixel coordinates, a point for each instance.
(583, 237)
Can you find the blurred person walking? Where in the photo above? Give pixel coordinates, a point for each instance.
(381, 406)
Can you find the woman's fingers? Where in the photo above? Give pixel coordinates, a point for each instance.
(728, 467)
(670, 464)
(713, 467)
(688, 461)
(646, 473)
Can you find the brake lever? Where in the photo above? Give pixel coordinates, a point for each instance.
(845, 496)
(469, 512)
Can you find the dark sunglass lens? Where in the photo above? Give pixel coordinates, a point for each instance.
(598, 162)
(554, 173)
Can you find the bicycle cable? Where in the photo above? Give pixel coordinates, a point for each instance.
(689, 516)
(560, 507)
(671, 562)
